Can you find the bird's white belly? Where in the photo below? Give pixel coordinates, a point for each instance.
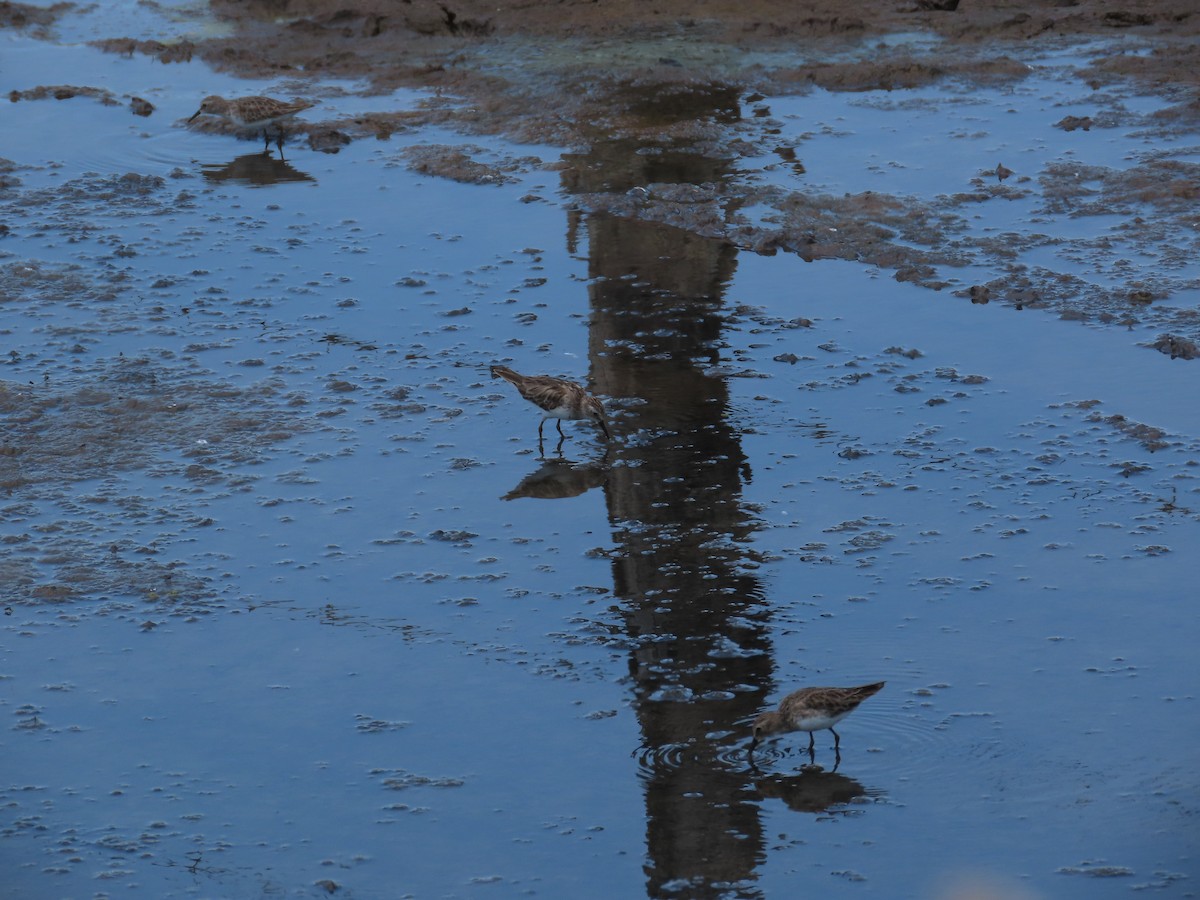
(257, 123)
(817, 722)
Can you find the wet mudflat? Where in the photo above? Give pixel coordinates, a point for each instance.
(295, 605)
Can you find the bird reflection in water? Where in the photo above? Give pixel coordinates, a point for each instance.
(814, 790)
(557, 478)
(256, 169)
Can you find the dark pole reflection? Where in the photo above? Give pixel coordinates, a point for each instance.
(683, 572)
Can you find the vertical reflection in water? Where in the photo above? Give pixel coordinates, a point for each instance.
(682, 573)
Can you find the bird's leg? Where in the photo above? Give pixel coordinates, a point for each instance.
(266, 140)
(811, 742)
(837, 742)
(558, 446)
(540, 424)
(812, 753)
(558, 422)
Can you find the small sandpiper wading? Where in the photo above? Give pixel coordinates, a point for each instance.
(812, 709)
(254, 114)
(557, 398)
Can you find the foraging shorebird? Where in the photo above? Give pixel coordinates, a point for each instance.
(812, 709)
(557, 398)
(254, 114)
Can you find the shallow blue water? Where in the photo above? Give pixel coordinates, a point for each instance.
(315, 642)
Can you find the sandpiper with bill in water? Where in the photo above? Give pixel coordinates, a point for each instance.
(812, 709)
(254, 114)
(557, 398)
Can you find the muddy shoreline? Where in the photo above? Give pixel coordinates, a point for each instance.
(675, 75)
(560, 72)
(586, 64)
(680, 78)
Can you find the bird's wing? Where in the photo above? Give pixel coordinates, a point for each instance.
(548, 393)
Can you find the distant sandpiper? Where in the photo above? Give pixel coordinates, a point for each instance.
(812, 709)
(556, 397)
(254, 114)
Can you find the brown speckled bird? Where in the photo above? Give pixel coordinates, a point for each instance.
(557, 398)
(812, 709)
(253, 113)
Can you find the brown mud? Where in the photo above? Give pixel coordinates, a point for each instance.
(676, 74)
(689, 80)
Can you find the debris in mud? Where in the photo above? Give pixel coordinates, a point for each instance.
(1123, 19)
(399, 780)
(1176, 347)
(179, 51)
(698, 208)
(93, 423)
(1025, 298)
(1164, 187)
(83, 571)
(1071, 123)
(118, 418)
(22, 15)
(454, 163)
(60, 209)
(867, 541)
(1096, 870)
(371, 725)
(64, 92)
(869, 227)
(7, 179)
(141, 107)
(1154, 550)
(1148, 436)
(327, 140)
(453, 535)
(915, 273)
(901, 73)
